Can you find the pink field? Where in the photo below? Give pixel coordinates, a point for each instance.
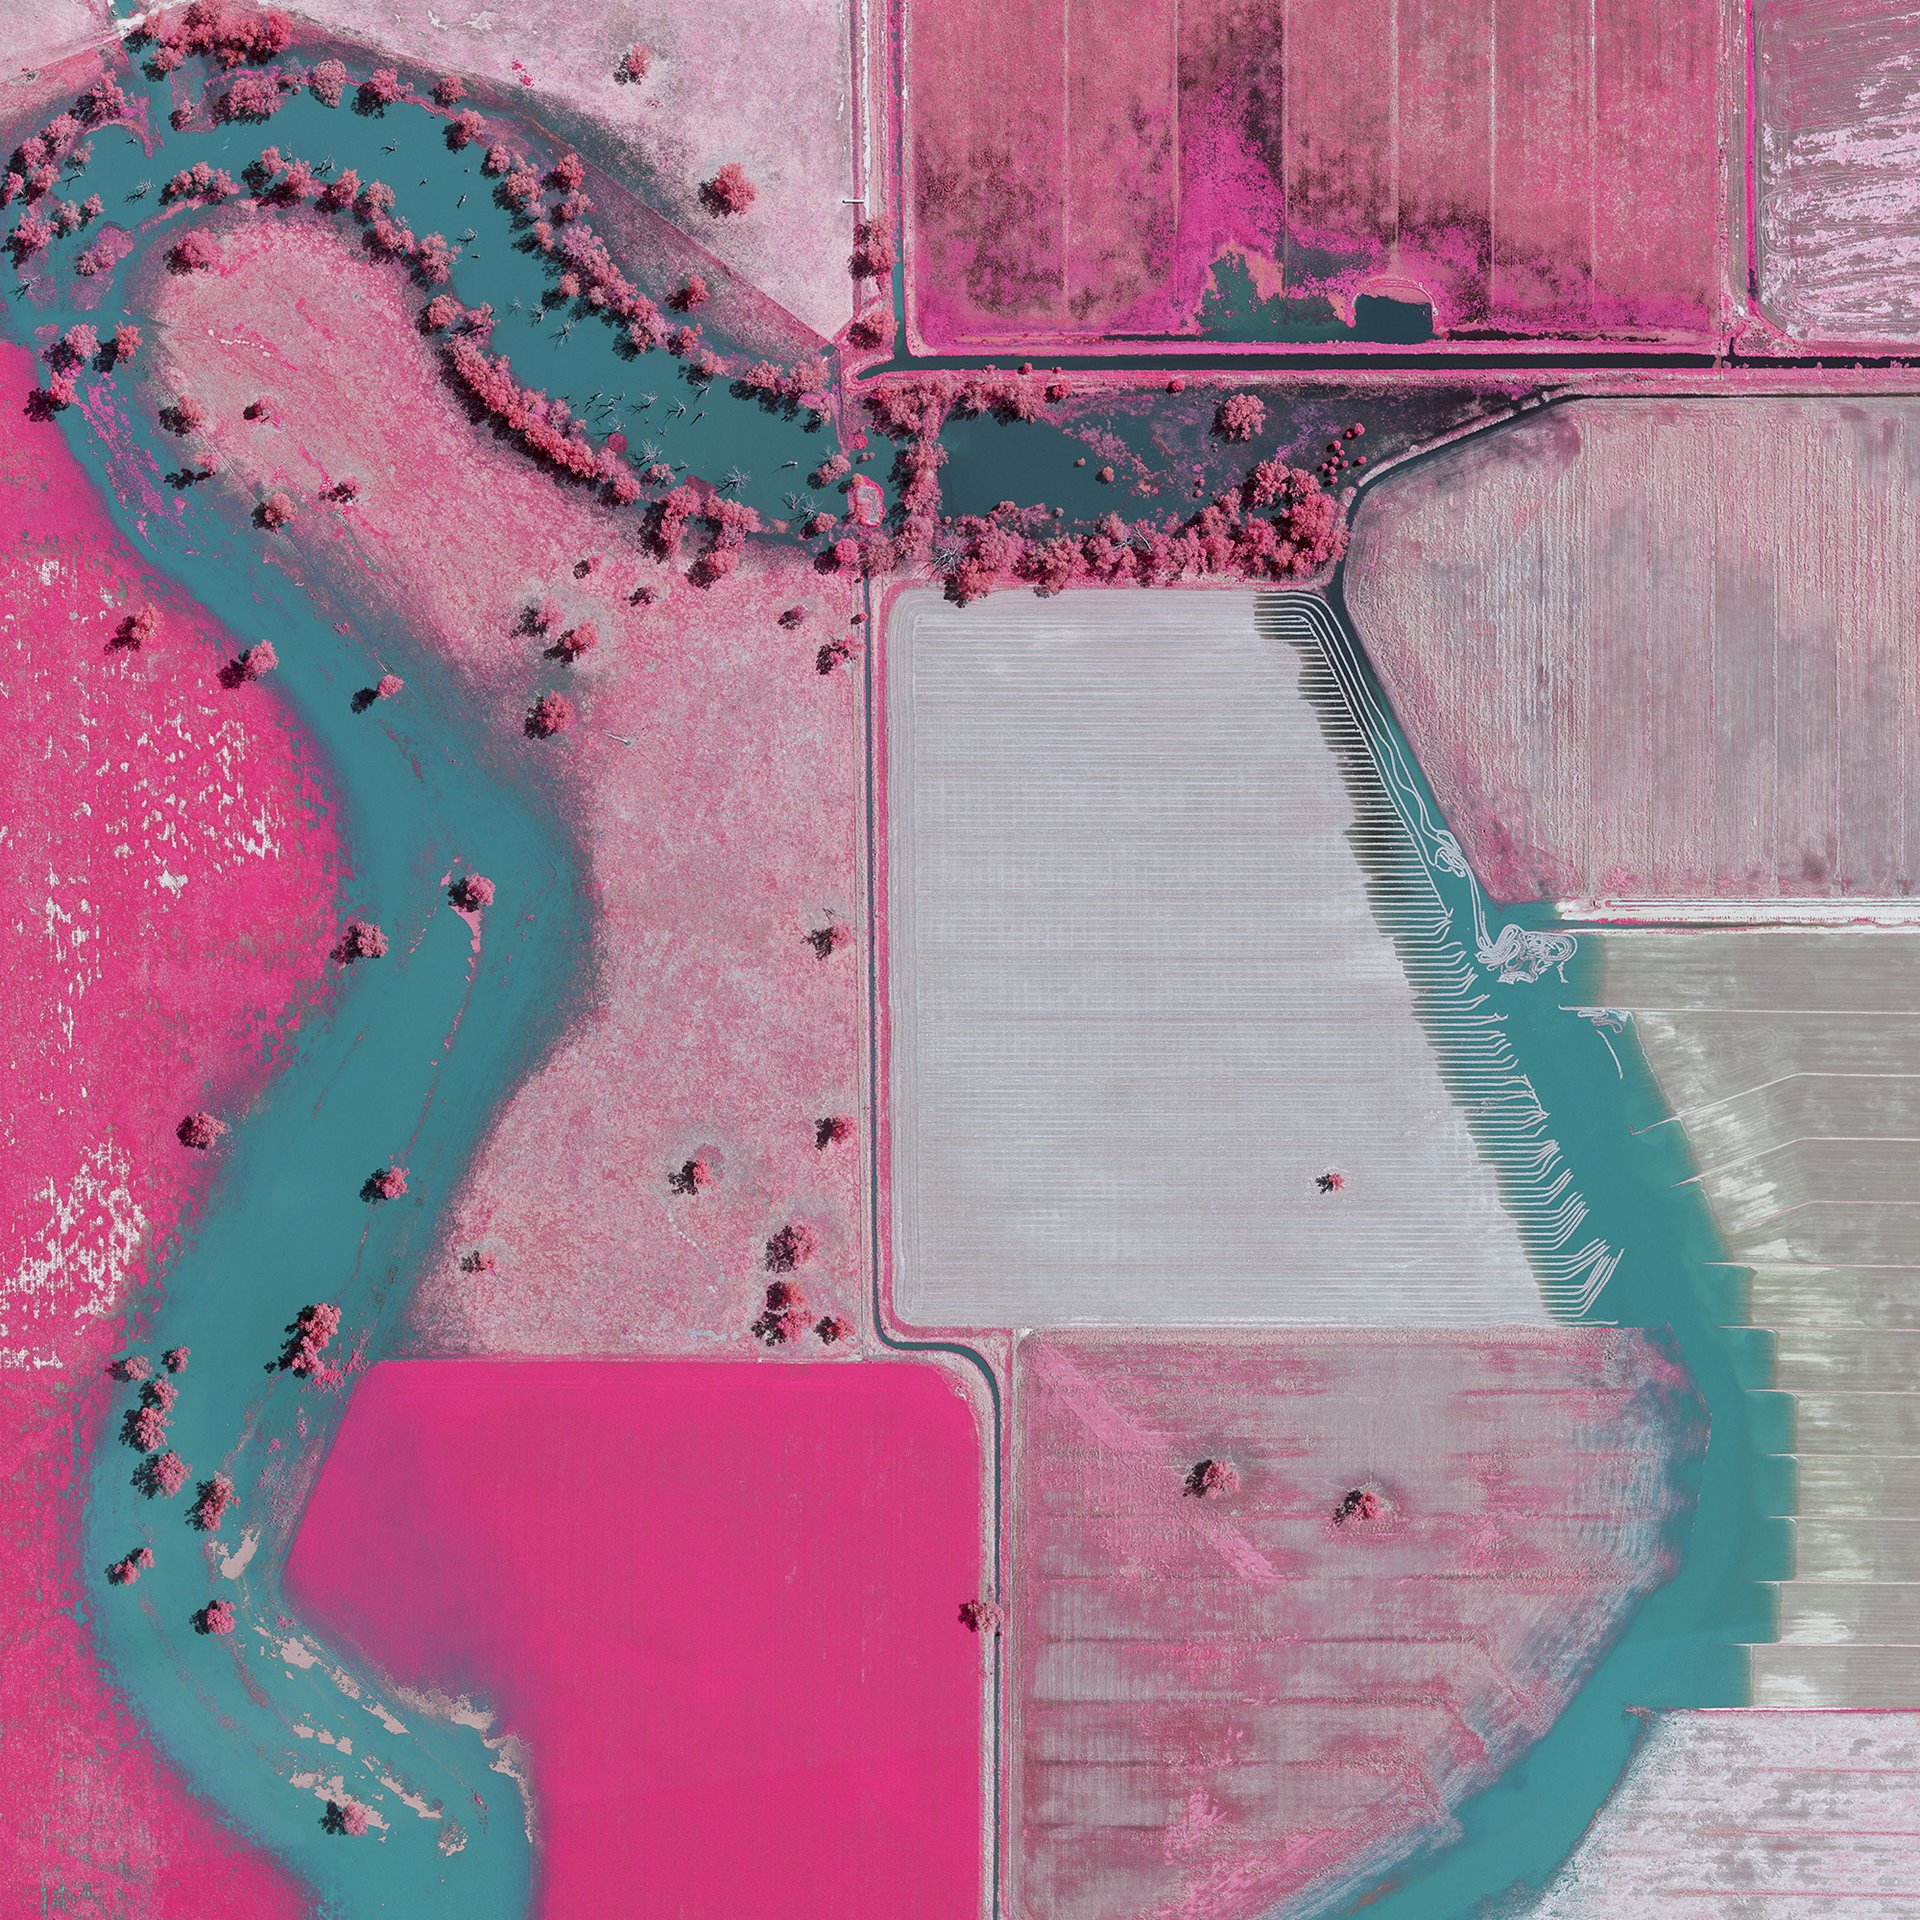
(167, 888)
(713, 779)
(718, 1604)
(1537, 167)
(1227, 1702)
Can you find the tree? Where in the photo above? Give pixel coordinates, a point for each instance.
(1239, 417)
(832, 1131)
(471, 892)
(982, 1617)
(833, 1329)
(210, 1505)
(695, 1176)
(193, 253)
(449, 90)
(328, 81)
(1210, 1477)
(389, 1183)
(259, 660)
(635, 64)
(792, 1246)
(463, 129)
(1360, 1504)
(216, 1618)
(552, 713)
(161, 1475)
(309, 1335)
(389, 687)
(200, 1131)
(729, 192)
(274, 512)
(379, 90)
(360, 940)
(137, 628)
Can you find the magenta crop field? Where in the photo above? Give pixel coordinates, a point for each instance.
(1532, 166)
(718, 1605)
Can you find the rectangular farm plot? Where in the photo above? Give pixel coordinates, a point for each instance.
(716, 1605)
(1534, 167)
(1140, 999)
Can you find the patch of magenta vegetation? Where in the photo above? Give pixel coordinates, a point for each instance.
(580, 1550)
(1561, 180)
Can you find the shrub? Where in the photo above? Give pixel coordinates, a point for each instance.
(577, 642)
(1360, 1504)
(832, 1330)
(729, 192)
(635, 64)
(390, 685)
(249, 96)
(345, 1816)
(832, 1132)
(829, 940)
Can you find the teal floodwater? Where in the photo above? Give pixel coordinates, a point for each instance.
(414, 1056)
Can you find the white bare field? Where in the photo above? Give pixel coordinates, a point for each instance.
(1729, 1814)
(1792, 1058)
(1140, 997)
(1662, 649)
